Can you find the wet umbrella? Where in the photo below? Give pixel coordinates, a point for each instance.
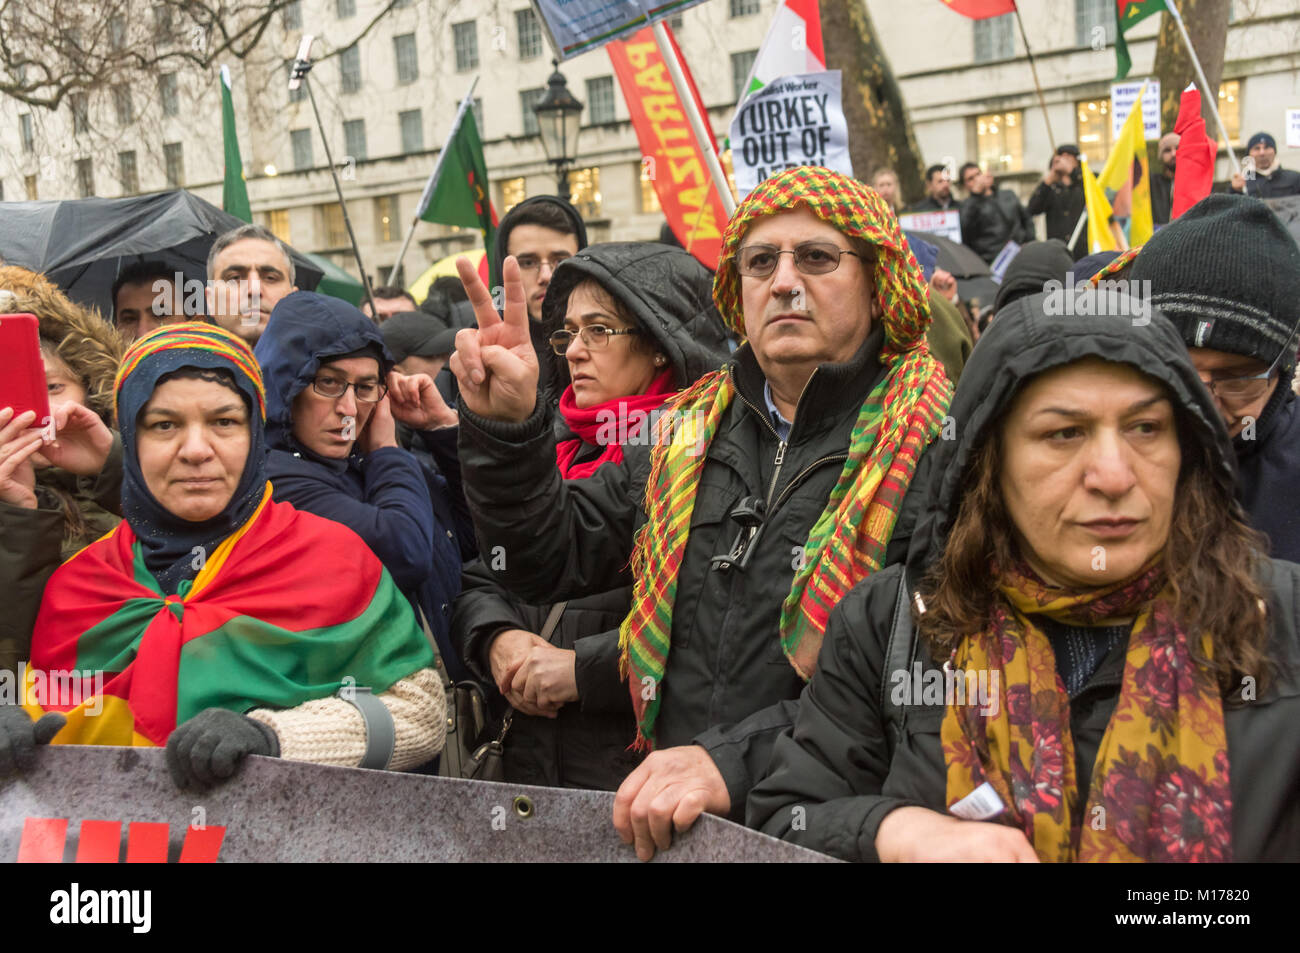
(974, 278)
(83, 244)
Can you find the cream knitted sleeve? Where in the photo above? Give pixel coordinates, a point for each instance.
(331, 730)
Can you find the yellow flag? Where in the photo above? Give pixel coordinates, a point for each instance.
(1127, 173)
(1100, 237)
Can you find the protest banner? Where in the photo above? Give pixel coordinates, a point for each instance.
(1293, 128)
(82, 803)
(793, 121)
(1122, 98)
(947, 224)
(671, 157)
(578, 26)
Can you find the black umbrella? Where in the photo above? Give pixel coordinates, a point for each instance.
(82, 245)
(974, 277)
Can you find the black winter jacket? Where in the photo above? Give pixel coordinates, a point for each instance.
(1269, 472)
(728, 685)
(844, 765)
(989, 221)
(670, 296)
(1061, 206)
(1279, 185)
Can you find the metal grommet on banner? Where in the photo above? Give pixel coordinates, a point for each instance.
(524, 806)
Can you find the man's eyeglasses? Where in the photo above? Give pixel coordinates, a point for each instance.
(368, 392)
(811, 258)
(1236, 392)
(533, 262)
(594, 336)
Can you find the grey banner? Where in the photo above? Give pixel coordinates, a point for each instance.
(280, 811)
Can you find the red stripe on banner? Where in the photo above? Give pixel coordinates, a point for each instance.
(43, 840)
(99, 842)
(202, 845)
(146, 843)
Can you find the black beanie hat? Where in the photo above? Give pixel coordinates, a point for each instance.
(1227, 273)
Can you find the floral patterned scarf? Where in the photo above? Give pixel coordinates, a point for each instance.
(1159, 789)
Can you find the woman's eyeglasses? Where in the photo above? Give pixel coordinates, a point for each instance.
(594, 336)
(811, 258)
(368, 392)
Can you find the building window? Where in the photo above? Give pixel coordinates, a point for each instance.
(408, 67)
(332, 225)
(744, 8)
(299, 94)
(1090, 14)
(354, 138)
(1092, 130)
(1001, 141)
(116, 32)
(122, 105)
(412, 125)
(345, 8)
(528, 98)
(300, 140)
(675, 21)
(741, 64)
(465, 40)
(995, 38)
(513, 191)
(174, 160)
(167, 92)
(85, 178)
(386, 218)
(649, 197)
(127, 173)
(350, 69)
(277, 220)
(477, 105)
(584, 191)
(80, 104)
(600, 99)
(163, 27)
(291, 15)
(33, 193)
(530, 34)
(25, 132)
(1230, 109)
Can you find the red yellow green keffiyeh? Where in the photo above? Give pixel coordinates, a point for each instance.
(1159, 789)
(898, 420)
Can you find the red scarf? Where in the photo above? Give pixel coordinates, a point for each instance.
(608, 425)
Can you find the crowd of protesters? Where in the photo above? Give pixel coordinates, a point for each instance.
(781, 543)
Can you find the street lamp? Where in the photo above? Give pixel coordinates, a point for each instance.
(558, 113)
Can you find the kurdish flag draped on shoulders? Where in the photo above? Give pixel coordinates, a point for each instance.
(258, 606)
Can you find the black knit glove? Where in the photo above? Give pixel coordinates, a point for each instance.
(19, 736)
(208, 748)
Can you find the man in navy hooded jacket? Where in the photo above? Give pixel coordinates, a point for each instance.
(331, 402)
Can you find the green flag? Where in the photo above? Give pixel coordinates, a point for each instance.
(460, 190)
(234, 197)
(1127, 13)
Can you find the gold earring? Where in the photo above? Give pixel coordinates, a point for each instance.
(659, 360)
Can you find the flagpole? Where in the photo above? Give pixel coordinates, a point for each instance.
(1078, 227)
(1210, 94)
(1033, 67)
(696, 120)
(432, 183)
(301, 67)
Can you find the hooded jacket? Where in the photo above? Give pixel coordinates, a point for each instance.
(991, 220)
(670, 297)
(415, 521)
(545, 382)
(71, 511)
(844, 763)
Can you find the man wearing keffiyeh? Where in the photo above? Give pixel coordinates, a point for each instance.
(770, 488)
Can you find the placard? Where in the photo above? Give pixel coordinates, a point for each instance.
(792, 121)
(1122, 98)
(947, 224)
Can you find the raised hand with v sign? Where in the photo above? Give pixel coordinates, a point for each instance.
(496, 365)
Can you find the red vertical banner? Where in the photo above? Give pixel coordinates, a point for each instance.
(146, 843)
(202, 845)
(670, 155)
(99, 842)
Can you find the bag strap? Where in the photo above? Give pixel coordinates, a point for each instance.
(552, 620)
(899, 654)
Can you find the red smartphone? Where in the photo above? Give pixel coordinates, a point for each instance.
(22, 372)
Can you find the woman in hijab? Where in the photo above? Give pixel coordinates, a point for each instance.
(1105, 665)
(630, 325)
(214, 620)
